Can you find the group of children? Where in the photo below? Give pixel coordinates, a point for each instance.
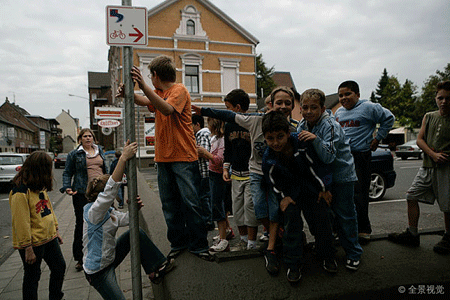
(278, 168)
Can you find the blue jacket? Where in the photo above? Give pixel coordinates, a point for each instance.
(360, 122)
(76, 168)
(305, 175)
(332, 147)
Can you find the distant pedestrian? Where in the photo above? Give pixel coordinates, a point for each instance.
(113, 165)
(359, 119)
(83, 164)
(35, 227)
(102, 252)
(176, 155)
(202, 137)
(432, 181)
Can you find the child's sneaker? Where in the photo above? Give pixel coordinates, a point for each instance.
(293, 274)
(264, 237)
(443, 247)
(352, 264)
(272, 265)
(157, 276)
(330, 265)
(405, 238)
(230, 235)
(221, 246)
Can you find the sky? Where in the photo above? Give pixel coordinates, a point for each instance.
(48, 47)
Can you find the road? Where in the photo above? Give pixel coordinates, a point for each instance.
(5, 215)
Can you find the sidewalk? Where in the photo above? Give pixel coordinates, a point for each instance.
(75, 285)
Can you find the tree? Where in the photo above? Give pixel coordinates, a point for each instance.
(382, 83)
(427, 101)
(264, 78)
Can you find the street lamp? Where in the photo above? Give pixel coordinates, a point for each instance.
(71, 95)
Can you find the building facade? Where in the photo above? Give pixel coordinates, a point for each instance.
(212, 53)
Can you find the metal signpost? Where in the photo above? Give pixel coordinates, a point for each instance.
(127, 26)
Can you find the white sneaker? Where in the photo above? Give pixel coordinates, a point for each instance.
(252, 246)
(230, 235)
(264, 237)
(221, 246)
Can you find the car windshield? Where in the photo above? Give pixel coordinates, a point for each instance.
(10, 160)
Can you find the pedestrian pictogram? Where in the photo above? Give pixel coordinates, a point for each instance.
(126, 26)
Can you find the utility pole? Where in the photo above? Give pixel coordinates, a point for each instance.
(131, 171)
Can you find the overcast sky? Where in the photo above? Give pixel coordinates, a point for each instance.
(47, 47)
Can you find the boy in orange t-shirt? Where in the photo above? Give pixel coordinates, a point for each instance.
(176, 155)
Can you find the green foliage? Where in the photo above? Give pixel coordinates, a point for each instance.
(382, 83)
(402, 100)
(56, 144)
(264, 77)
(427, 101)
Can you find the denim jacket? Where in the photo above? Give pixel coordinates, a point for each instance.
(332, 147)
(76, 168)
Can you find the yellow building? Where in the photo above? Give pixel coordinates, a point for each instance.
(213, 55)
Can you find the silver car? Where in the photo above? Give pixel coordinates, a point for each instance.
(409, 149)
(10, 164)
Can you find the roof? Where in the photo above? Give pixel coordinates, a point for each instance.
(214, 9)
(331, 100)
(99, 79)
(283, 79)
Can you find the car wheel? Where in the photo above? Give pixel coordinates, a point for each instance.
(377, 187)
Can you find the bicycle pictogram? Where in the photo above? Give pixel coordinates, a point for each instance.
(118, 33)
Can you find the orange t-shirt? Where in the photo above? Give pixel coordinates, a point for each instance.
(174, 135)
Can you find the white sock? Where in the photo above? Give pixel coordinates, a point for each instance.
(244, 238)
(251, 244)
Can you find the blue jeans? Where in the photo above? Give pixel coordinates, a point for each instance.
(361, 196)
(316, 214)
(205, 198)
(344, 210)
(120, 195)
(51, 254)
(264, 199)
(178, 189)
(218, 189)
(105, 281)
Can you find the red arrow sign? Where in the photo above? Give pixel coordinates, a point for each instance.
(138, 34)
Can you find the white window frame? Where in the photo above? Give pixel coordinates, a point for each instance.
(193, 59)
(229, 63)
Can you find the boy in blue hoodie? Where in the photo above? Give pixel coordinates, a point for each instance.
(299, 181)
(359, 119)
(332, 147)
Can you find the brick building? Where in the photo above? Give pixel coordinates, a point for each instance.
(212, 53)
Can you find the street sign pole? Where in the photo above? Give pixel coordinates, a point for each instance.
(131, 172)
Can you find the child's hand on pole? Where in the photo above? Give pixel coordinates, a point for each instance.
(129, 150)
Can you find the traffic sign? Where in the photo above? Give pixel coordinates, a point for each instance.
(126, 26)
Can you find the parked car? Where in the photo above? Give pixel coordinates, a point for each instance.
(60, 160)
(409, 149)
(10, 164)
(383, 173)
